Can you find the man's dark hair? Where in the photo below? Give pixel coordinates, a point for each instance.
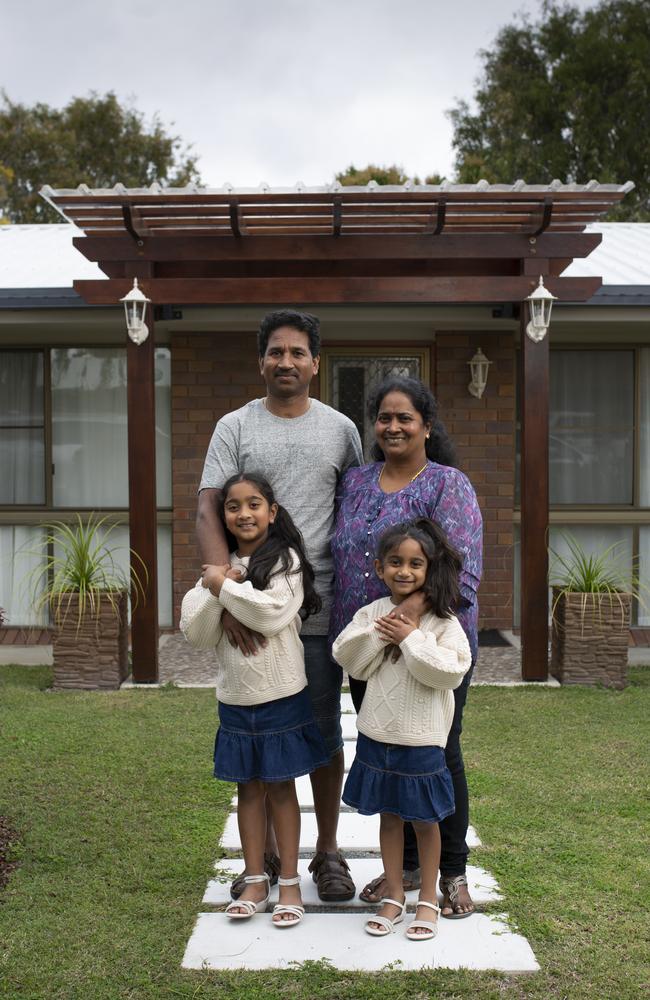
(304, 322)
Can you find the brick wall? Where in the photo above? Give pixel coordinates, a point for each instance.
(215, 373)
(211, 375)
(483, 431)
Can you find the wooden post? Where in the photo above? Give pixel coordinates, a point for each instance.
(534, 384)
(141, 410)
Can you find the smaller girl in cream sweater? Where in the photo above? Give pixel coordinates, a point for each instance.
(267, 734)
(411, 668)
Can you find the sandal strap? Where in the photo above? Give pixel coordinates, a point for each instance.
(242, 904)
(426, 925)
(451, 884)
(289, 881)
(382, 921)
(432, 906)
(252, 879)
(296, 911)
(387, 899)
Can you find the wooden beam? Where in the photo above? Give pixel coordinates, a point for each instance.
(261, 291)
(343, 247)
(141, 409)
(534, 384)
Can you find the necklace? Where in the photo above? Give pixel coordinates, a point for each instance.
(418, 473)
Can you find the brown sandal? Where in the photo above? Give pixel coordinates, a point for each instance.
(331, 873)
(272, 869)
(410, 880)
(449, 886)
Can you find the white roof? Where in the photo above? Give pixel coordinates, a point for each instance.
(623, 257)
(42, 256)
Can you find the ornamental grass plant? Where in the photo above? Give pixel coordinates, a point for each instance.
(606, 573)
(591, 614)
(86, 591)
(79, 561)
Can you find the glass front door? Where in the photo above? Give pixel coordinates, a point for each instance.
(349, 376)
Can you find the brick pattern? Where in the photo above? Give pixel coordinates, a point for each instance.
(211, 375)
(483, 431)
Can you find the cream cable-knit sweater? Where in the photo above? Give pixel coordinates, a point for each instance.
(409, 702)
(273, 672)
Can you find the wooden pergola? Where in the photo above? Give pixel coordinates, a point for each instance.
(452, 244)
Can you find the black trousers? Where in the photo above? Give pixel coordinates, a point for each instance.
(453, 829)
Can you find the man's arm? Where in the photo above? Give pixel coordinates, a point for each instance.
(210, 535)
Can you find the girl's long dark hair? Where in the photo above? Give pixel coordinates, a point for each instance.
(438, 445)
(444, 563)
(283, 536)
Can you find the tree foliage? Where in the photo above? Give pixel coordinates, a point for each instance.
(565, 97)
(93, 140)
(393, 174)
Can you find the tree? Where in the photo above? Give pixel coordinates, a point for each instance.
(6, 176)
(381, 175)
(566, 97)
(93, 140)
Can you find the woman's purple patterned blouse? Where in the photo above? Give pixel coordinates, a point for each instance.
(364, 512)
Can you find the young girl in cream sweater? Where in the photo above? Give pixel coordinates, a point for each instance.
(267, 735)
(411, 668)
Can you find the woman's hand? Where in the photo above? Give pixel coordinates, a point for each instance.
(395, 627)
(413, 606)
(213, 577)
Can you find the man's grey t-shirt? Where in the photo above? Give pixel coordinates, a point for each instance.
(303, 458)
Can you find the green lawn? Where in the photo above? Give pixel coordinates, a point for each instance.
(118, 822)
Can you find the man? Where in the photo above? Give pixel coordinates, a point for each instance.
(303, 448)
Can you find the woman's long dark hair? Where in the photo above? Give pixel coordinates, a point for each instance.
(444, 563)
(438, 445)
(283, 536)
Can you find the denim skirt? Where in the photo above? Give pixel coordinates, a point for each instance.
(275, 741)
(413, 783)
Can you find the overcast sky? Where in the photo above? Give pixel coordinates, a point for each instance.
(266, 90)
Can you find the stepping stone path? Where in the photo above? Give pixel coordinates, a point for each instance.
(334, 931)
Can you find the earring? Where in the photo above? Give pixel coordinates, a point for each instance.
(428, 435)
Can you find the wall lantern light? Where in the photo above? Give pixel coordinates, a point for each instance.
(135, 307)
(478, 367)
(541, 302)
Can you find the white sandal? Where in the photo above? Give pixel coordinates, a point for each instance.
(250, 908)
(293, 909)
(387, 925)
(429, 926)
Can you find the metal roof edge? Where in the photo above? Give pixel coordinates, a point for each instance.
(41, 298)
(621, 295)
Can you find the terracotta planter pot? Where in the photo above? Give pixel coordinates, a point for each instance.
(590, 635)
(94, 654)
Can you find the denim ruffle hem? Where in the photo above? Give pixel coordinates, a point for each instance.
(413, 783)
(275, 741)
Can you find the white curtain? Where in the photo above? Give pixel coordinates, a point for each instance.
(591, 432)
(17, 545)
(22, 453)
(119, 540)
(89, 427)
(644, 429)
(644, 576)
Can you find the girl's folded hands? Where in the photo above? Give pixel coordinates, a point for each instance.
(396, 629)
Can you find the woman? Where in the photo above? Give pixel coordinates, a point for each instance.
(413, 476)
